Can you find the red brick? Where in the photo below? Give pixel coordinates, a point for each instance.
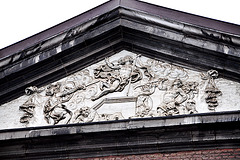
(205, 152)
(166, 155)
(227, 150)
(231, 156)
(226, 153)
(193, 155)
(219, 157)
(198, 152)
(237, 157)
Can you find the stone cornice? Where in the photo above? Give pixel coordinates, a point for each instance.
(121, 125)
(133, 136)
(211, 37)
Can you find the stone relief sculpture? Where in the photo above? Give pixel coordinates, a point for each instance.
(211, 90)
(144, 102)
(29, 106)
(83, 115)
(170, 80)
(155, 88)
(173, 98)
(54, 109)
(115, 76)
(178, 94)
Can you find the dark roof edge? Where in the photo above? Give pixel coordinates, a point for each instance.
(59, 28)
(181, 16)
(155, 10)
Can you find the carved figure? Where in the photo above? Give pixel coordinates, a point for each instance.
(173, 98)
(211, 89)
(144, 101)
(143, 105)
(83, 115)
(155, 69)
(72, 94)
(54, 109)
(191, 106)
(116, 76)
(190, 88)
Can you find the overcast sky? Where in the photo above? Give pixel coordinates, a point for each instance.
(20, 19)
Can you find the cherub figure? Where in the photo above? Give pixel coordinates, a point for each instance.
(173, 98)
(54, 110)
(116, 76)
(84, 115)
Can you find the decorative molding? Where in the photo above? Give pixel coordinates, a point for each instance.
(122, 28)
(149, 87)
(112, 106)
(132, 136)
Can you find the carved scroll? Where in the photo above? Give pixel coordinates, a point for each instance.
(152, 87)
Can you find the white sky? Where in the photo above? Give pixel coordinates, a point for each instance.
(20, 19)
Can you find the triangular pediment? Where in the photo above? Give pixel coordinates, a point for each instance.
(123, 86)
(126, 77)
(181, 69)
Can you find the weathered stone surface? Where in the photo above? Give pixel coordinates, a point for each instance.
(122, 86)
(132, 136)
(89, 92)
(127, 124)
(172, 40)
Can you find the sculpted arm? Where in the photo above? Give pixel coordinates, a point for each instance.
(111, 65)
(183, 96)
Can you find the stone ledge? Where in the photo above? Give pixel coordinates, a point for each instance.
(121, 125)
(127, 137)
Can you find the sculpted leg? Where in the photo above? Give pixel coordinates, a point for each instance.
(106, 91)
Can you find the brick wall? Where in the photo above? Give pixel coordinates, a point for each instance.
(221, 154)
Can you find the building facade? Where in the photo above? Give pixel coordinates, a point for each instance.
(125, 80)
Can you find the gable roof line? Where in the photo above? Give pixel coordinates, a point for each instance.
(132, 14)
(110, 5)
(59, 28)
(181, 16)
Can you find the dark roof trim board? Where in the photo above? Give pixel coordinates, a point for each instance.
(58, 29)
(181, 16)
(157, 32)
